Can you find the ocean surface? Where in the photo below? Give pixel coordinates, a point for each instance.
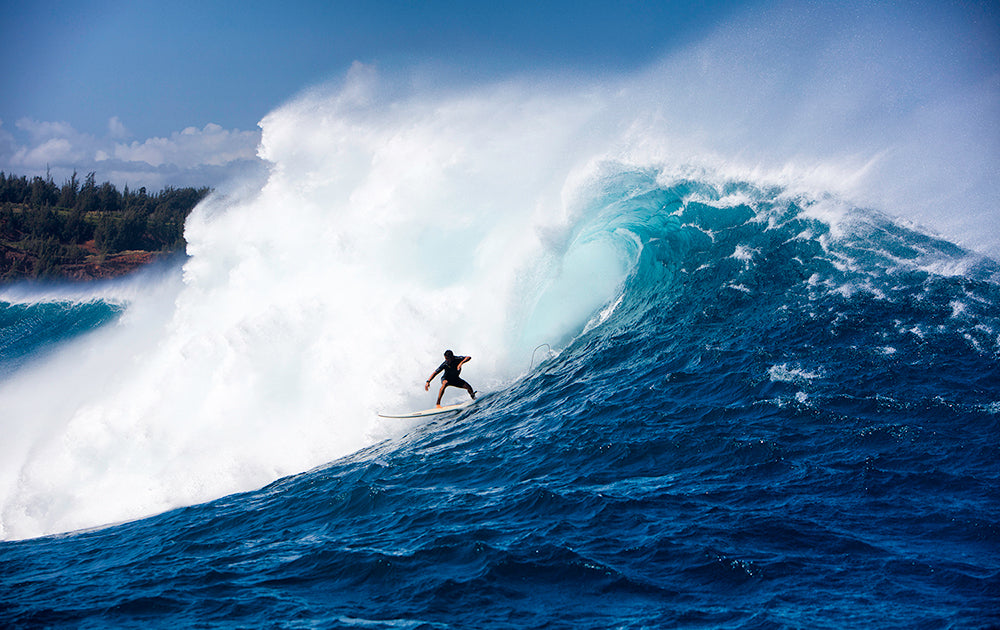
(770, 426)
(709, 396)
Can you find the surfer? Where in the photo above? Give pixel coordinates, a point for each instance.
(452, 368)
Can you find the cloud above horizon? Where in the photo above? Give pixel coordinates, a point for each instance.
(191, 157)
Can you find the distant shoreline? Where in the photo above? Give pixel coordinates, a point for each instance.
(94, 266)
(87, 232)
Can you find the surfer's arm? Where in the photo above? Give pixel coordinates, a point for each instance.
(464, 361)
(427, 385)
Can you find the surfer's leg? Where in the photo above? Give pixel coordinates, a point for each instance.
(464, 385)
(441, 392)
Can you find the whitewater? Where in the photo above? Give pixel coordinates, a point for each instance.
(735, 327)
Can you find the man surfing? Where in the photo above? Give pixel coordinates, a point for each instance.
(452, 368)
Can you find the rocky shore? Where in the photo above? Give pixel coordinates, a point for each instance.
(20, 265)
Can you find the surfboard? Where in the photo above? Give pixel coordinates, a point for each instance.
(430, 412)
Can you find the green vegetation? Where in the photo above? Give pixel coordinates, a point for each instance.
(73, 230)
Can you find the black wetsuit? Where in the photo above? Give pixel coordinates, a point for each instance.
(451, 372)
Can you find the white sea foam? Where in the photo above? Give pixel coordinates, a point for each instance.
(385, 232)
(785, 373)
(394, 224)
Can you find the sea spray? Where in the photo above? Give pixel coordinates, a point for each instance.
(382, 234)
(392, 223)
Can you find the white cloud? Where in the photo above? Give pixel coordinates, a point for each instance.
(117, 129)
(192, 156)
(211, 145)
(40, 131)
(53, 151)
(46, 144)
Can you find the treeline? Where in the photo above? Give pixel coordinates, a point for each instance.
(44, 226)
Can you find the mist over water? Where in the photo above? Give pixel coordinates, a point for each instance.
(394, 222)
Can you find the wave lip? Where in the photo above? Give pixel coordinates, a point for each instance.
(394, 222)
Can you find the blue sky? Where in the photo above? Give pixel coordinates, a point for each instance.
(171, 92)
(163, 66)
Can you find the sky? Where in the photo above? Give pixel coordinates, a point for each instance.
(170, 93)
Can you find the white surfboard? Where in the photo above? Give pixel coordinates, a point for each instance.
(430, 412)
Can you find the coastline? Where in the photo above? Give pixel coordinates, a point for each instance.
(21, 265)
(85, 232)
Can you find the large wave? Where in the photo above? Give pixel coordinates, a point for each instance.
(396, 221)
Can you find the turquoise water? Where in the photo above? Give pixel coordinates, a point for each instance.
(777, 420)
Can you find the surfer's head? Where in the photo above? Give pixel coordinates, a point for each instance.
(448, 354)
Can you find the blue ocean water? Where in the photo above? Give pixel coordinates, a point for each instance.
(29, 329)
(778, 420)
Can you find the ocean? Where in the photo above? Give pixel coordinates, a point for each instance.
(709, 396)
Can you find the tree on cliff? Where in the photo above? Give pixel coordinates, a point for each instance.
(42, 226)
